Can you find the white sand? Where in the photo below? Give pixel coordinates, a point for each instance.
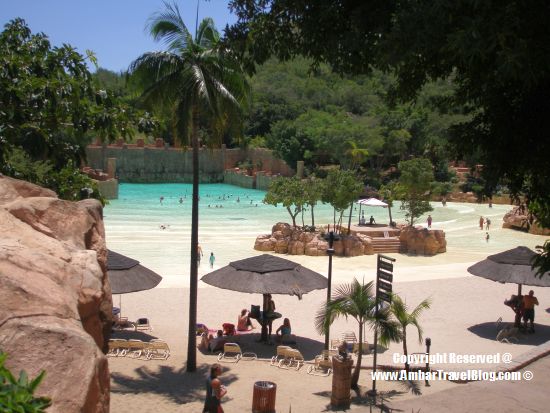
(461, 320)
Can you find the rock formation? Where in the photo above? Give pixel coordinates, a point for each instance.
(56, 299)
(423, 241)
(294, 241)
(519, 219)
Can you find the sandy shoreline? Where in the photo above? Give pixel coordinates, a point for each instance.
(461, 320)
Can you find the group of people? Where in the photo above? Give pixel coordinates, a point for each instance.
(487, 223)
(524, 307)
(362, 220)
(200, 254)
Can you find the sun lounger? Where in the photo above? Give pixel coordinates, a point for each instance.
(117, 347)
(136, 348)
(143, 324)
(231, 351)
(281, 354)
(157, 349)
(322, 364)
(293, 359)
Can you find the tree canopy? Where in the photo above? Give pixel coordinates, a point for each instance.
(497, 51)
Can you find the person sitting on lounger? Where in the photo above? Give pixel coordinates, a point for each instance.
(243, 321)
(211, 343)
(283, 330)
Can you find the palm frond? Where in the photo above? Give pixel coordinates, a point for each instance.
(207, 36)
(168, 26)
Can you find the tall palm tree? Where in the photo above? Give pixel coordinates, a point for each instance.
(196, 79)
(358, 301)
(400, 312)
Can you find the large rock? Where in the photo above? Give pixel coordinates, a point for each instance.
(56, 299)
(265, 243)
(368, 248)
(353, 246)
(422, 241)
(519, 219)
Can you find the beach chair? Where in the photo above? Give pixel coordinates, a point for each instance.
(292, 359)
(349, 337)
(142, 324)
(117, 347)
(157, 349)
(322, 363)
(281, 354)
(136, 348)
(231, 352)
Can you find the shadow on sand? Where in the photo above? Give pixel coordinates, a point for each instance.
(489, 331)
(250, 343)
(176, 384)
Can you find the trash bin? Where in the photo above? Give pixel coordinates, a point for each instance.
(263, 398)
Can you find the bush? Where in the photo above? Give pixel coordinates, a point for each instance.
(16, 395)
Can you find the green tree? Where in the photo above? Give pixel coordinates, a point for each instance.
(290, 193)
(356, 300)
(414, 187)
(388, 193)
(313, 192)
(342, 188)
(17, 395)
(193, 77)
(400, 312)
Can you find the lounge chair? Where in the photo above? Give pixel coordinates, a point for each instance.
(231, 351)
(143, 324)
(117, 347)
(157, 349)
(136, 348)
(281, 354)
(293, 359)
(322, 363)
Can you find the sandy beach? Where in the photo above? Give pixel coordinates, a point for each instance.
(461, 319)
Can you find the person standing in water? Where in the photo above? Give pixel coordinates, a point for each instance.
(429, 221)
(199, 253)
(212, 259)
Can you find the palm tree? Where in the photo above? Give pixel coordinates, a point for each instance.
(356, 300)
(196, 79)
(399, 310)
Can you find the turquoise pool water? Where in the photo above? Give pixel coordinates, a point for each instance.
(231, 217)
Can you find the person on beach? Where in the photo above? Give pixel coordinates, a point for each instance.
(211, 260)
(215, 390)
(487, 237)
(244, 321)
(487, 224)
(481, 222)
(429, 221)
(283, 330)
(529, 303)
(371, 220)
(199, 253)
(161, 199)
(270, 309)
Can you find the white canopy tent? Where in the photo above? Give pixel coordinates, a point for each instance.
(372, 202)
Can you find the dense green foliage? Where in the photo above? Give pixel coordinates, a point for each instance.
(49, 106)
(193, 80)
(323, 118)
(413, 187)
(497, 51)
(17, 395)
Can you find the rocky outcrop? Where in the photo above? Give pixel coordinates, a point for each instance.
(423, 241)
(56, 299)
(519, 219)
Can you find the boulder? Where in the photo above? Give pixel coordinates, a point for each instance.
(264, 243)
(422, 241)
(353, 246)
(317, 247)
(296, 248)
(519, 219)
(368, 248)
(281, 245)
(56, 300)
(283, 227)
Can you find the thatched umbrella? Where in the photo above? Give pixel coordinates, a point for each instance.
(266, 274)
(127, 275)
(512, 266)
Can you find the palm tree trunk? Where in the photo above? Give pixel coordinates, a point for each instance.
(349, 219)
(389, 210)
(193, 270)
(356, 371)
(312, 218)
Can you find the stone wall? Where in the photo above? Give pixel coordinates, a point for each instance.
(153, 164)
(238, 178)
(56, 298)
(108, 188)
